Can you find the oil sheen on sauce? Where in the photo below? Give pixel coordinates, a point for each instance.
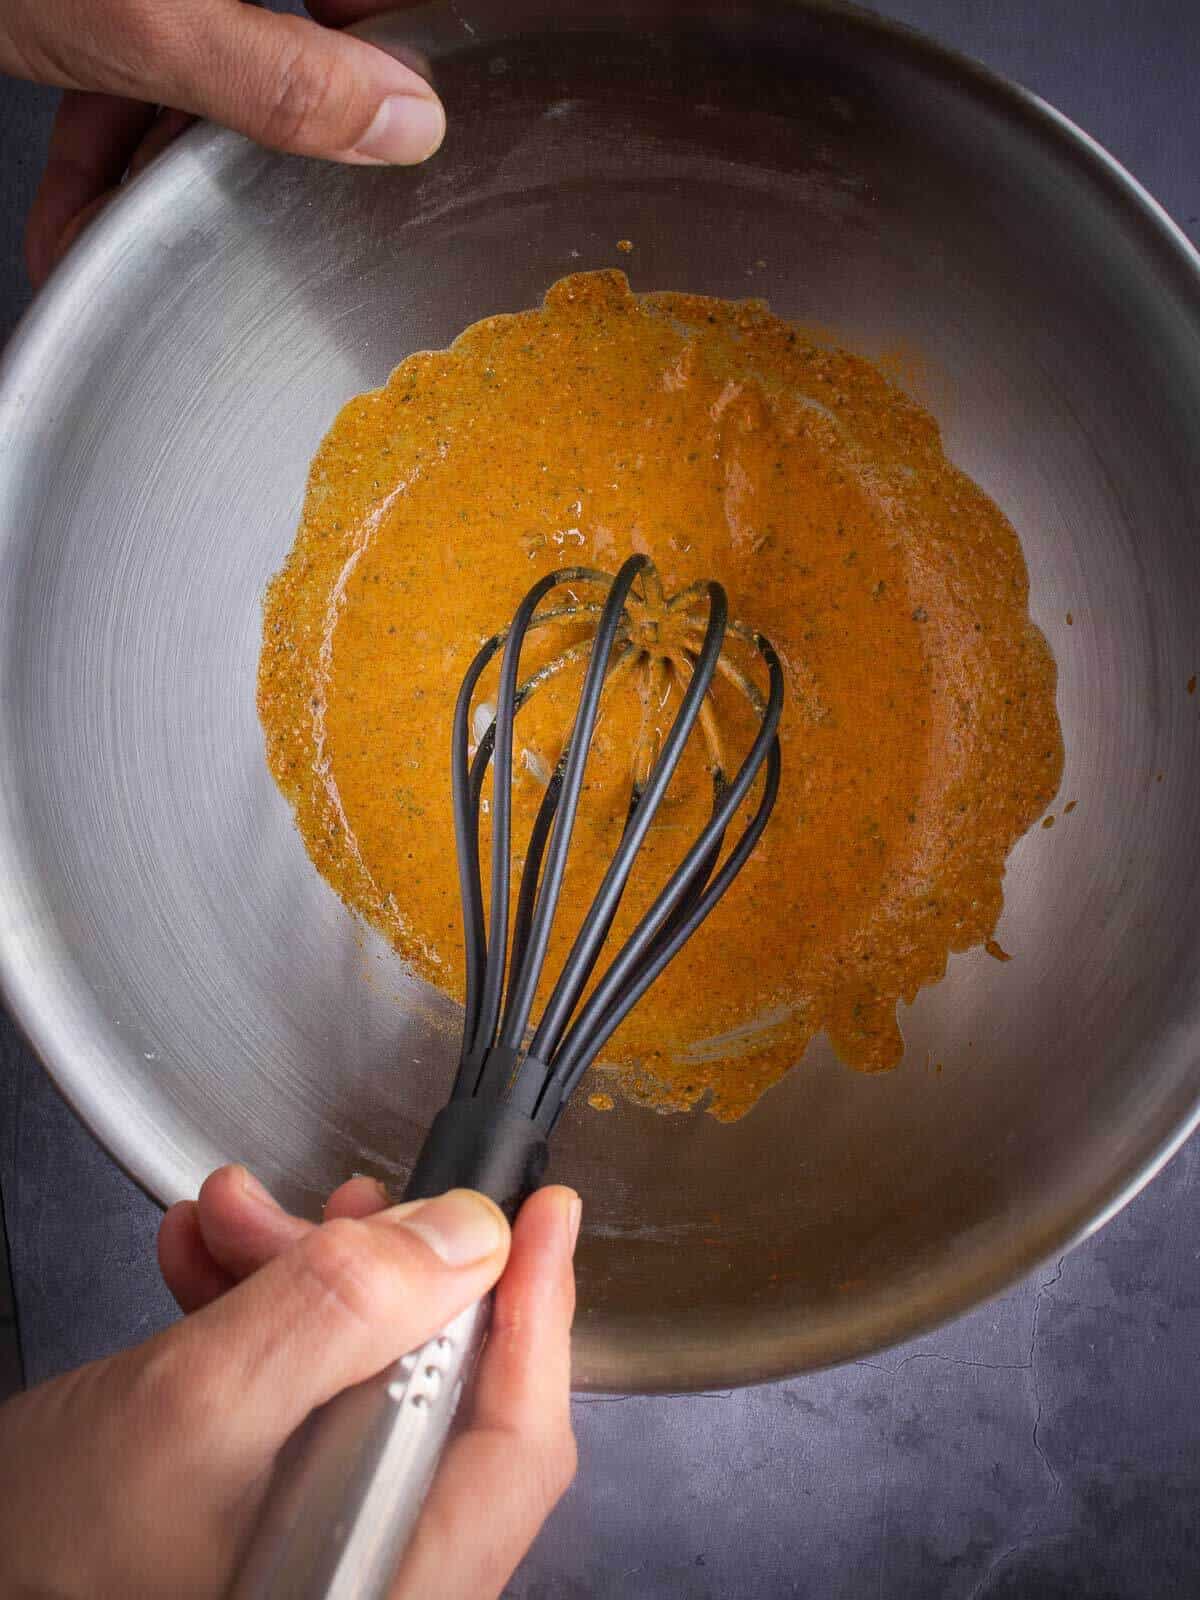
(920, 735)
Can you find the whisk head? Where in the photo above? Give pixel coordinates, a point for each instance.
(677, 641)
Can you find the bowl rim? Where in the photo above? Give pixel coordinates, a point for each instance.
(127, 1136)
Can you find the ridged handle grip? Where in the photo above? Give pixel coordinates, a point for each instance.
(351, 1483)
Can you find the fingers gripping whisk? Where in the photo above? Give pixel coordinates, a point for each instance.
(672, 647)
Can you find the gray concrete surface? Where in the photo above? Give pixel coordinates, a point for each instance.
(1046, 1446)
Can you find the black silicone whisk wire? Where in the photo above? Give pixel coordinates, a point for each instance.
(535, 1068)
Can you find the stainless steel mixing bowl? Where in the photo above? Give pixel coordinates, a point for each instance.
(194, 987)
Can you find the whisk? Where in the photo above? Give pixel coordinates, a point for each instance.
(340, 1513)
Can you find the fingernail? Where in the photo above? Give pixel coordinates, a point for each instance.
(407, 129)
(574, 1218)
(253, 1190)
(461, 1227)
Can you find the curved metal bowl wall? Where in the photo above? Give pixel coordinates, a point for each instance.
(199, 993)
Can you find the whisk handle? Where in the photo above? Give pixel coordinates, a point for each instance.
(350, 1485)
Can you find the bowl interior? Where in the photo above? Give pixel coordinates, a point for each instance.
(193, 985)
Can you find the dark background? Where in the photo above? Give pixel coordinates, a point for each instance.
(1047, 1445)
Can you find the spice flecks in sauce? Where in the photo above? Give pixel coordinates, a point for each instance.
(920, 740)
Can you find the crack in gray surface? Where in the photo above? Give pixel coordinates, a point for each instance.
(887, 1467)
(993, 1567)
(950, 1361)
(1037, 1394)
(1029, 1365)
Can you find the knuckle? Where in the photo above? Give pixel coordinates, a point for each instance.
(151, 38)
(341, 1268)
(508, 1324)
(175, 1385)
(303, 99)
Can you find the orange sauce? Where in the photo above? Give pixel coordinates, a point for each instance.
(920, 736)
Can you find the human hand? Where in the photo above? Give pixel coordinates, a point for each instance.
(286, 81)
(142, 1474)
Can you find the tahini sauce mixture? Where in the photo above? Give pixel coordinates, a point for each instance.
(920, 738)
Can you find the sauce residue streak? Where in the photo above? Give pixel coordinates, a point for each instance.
(920, 738)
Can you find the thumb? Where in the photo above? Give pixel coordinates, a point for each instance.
(343, 1302)
(290, 84)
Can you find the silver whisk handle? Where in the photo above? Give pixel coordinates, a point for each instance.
(350, 1484)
